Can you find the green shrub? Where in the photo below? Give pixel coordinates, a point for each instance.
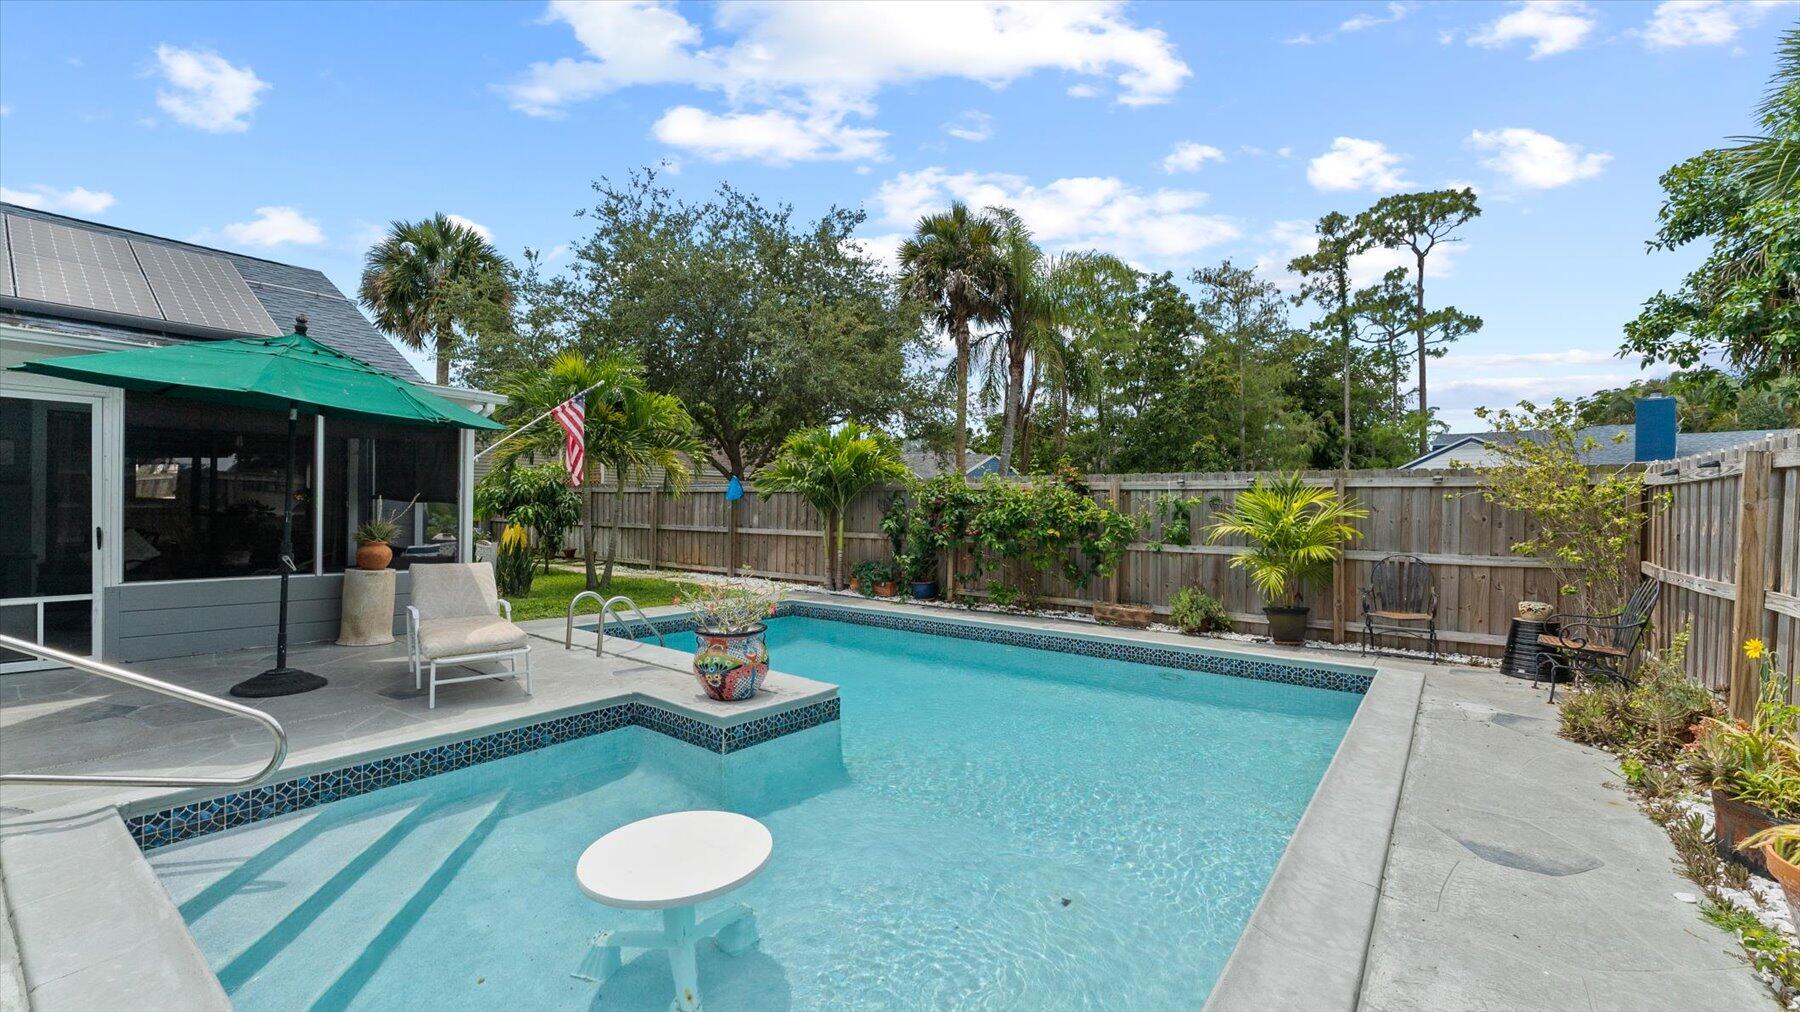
(1194, 611)
(1651, 721)
(513, 563)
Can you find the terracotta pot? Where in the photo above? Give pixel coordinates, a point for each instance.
(374, 555)
(1785, 873)
(1735, 821)
(887, 588)
(731, 666)
(568, 553)
(855, 585)
(1287, 623)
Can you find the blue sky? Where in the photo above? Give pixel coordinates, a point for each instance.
(1173, 135)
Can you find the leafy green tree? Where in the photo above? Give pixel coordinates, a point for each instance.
(1419, 223)
(1743, 301)
(758, 324)
(951, 266)
(1251, 419)
(827, 468)
(633, 431)
(539, 497)
(1706, 400)
(1325, 281)
(433, 284)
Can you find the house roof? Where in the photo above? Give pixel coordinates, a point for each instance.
(1612, 449)
(281, 290)
(925, 464)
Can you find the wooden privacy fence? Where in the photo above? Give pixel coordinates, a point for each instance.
(1727, 550)
(1438, 516)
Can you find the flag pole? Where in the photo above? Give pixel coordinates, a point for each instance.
(495, 445)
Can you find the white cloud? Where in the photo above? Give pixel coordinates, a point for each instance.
(74, 200)
(205, 91)
(1551, 26)
(1083, 91)
(884, 247)
(771, 136)
(1356, 164)
(1678, 23)
(474, 226)
(1301, 39)
(1083, 212)
(1369, 19)
(275, 226)
(817, 65)
(1535, 161)
(971, 126)
(1188, 156)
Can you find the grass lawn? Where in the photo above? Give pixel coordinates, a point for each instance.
(550, 593)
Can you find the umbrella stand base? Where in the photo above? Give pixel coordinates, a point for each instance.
(278, 682)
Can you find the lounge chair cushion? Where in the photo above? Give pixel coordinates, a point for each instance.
(1558, 643)
(454, 590)
(1403, 616)
(456, 637)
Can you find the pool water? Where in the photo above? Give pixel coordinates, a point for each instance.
(986, 827)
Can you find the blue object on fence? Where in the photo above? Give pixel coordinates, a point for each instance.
(734, 489)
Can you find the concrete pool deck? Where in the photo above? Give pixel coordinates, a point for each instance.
(1486, 895)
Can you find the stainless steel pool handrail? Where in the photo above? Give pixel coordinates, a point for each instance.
(156, 685)
(606, 608)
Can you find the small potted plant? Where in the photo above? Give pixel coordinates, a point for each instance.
(1294, 531)
(373, 544)
(875, 578)
(1780, 847)
(1753, 768)
(731, 655)
(920, 562)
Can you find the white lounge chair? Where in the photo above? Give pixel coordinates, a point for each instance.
(456, 616)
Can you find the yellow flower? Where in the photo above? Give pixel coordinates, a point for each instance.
(1753, 649)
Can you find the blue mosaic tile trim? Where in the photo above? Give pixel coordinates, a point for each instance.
(1140, 653)
(184, 822)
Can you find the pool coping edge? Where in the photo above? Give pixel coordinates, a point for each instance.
(1307, 942)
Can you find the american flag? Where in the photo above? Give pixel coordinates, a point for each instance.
(572, 416)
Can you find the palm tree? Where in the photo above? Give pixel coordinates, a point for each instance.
(1770, 163)
(952, 264)
(828, 469)
(427, 279)
(631, 430)
(1295, 530)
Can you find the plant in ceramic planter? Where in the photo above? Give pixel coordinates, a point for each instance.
(876, 578)
(731, 655)
(1295, 531)
(1780, 849)
(1752, 767)
(373, 544)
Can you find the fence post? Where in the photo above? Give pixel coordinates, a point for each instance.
(1116, 581)
(1752, 581)
(655, 551)
(1340, 582)
(731, 537)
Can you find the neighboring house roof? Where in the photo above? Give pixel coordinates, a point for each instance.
(117, 256)
(925, 464)
(1612, 450)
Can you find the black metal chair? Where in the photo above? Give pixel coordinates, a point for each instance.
(1597, 646)
(1401, 590)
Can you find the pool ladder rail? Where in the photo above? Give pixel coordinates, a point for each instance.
(180, 692)
(609, 607)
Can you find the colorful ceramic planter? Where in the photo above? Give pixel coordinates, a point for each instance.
(731, 666)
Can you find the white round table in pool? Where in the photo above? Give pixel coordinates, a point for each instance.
(673, 863)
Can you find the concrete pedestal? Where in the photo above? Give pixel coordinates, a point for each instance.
(368, 618)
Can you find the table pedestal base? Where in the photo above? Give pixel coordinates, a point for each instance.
(734, 927)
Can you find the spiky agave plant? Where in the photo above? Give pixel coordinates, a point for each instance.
(1294, 531)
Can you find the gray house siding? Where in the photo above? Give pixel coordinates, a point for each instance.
(149, 621)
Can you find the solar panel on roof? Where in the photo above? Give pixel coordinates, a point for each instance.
(72, 267)
(203, 290)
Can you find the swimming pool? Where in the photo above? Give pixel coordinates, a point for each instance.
(986, 826)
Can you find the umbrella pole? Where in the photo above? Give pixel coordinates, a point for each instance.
(282, 680)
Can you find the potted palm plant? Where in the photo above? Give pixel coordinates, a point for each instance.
(1295, 531)
(731, 654)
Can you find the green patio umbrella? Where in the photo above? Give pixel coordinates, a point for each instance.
(287, 373)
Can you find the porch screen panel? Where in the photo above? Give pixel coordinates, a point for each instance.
(375, 471)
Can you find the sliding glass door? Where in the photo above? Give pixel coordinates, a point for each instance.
(49, 533)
